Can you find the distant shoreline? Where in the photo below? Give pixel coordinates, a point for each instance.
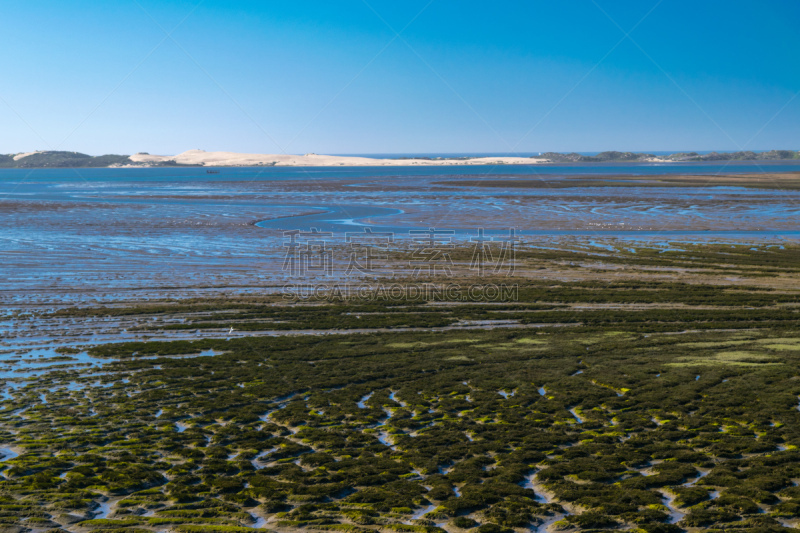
(200, 158)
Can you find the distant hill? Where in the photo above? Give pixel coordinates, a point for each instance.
(772, 155)
(61, 160)
(55, 159)
(556, 157)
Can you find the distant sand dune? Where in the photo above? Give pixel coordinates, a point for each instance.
(23, 155)
(232, 159)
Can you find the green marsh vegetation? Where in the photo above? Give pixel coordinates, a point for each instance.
(644, 403)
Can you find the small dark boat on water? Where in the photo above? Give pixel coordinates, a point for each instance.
(212, 171)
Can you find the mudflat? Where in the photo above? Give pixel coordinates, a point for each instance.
(631, 362)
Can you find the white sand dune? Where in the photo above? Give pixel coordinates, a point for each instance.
(23, 155)
(232, 159)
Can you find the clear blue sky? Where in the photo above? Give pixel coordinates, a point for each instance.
(464, 76)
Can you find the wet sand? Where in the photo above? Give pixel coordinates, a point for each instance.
(140, 238)
(68, 245)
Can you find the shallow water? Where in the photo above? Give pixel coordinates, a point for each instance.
(385, 439)
(34, 361)
(703, 473)
(137, 233)
(393, 397)
(541, 497)
(256, 461)
(545, 526)
(103, 510)
(362, 402)
(260, 521)
(419, 513)
(531, 483)
(675, 514)
(8, 454)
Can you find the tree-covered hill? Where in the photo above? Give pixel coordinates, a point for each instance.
(62, 160)
(771, 155)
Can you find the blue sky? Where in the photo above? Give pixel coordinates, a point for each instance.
(462, 76)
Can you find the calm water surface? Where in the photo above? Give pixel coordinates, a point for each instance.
(162, 227)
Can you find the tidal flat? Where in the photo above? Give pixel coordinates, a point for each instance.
(107, 235)
(641, 373)
(640, 388)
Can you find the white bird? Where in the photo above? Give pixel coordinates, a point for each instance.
(231, 331)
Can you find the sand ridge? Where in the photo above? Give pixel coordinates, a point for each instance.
(230, 159)
(25, 154)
